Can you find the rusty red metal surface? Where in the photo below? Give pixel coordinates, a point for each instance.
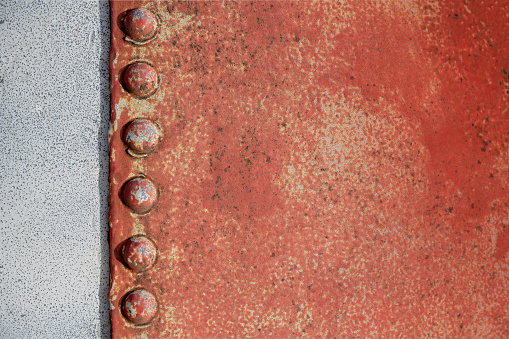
(139, 253)
(140, 25)
(139, 307)
(141, 136)
(140, 79)
(319, 169)
(139, 194)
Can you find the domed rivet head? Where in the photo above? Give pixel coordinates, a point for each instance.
(141, 136)
(139, 253)
(140, 25)
(139, 307)
(140, 79)
(139, 194)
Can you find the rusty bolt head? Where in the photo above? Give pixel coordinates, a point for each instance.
(139, 253)
(139, 194)
(139, 307)
(141, 136)
(140, 79)
(140, 24)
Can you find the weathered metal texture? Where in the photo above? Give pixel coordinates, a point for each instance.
(139, 194)
(326, 169)
(140, 25)
(139, 253)
(139, 307)
(141, 136)
(140, 80)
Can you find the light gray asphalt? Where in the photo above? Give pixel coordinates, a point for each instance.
(54, 109)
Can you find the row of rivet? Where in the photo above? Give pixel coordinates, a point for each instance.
(141, 137)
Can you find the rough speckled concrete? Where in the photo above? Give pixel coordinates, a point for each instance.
(54, 101)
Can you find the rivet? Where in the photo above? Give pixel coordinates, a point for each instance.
(140, 24)
(141, 136)
(139, 253)
(139, 307)
(139, 194)
(140, 79)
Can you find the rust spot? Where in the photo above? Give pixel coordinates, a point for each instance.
(502, 243)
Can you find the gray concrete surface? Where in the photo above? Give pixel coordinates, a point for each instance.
(54, 106)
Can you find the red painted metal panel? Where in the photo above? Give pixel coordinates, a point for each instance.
(309, 169)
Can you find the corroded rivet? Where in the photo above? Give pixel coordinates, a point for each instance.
(140, 24)
(139, 194)
(139, 307)
(141, 137)
(140, 79)
(139, 253)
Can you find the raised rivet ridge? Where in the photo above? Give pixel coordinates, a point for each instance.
(140, 79)
(140, 25)
(139, 253)
(139, 307)
(139, 194)
(141, 136)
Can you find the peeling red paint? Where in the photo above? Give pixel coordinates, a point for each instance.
(140, 79)
(139, 307)
(140, 25)
(139, 253)
(139, 194)
(141, 136)
(328, 169)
